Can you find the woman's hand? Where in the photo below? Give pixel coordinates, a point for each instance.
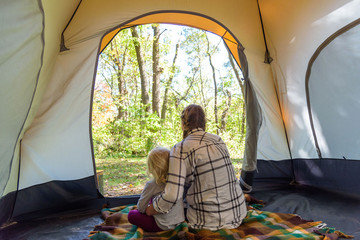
(150, 210)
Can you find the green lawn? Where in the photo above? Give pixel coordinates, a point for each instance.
(127, 176)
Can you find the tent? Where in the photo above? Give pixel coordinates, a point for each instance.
(300, 60)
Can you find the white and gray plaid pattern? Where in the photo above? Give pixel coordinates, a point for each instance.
(202, 163)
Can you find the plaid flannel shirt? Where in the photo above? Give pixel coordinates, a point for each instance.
(201, 162)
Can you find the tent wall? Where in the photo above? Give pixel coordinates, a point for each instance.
(43, 199)
(294, 31)
(58, 146)
(30, 39)
(333, 87)
(330, 93)
(333, 81)
(18, 48)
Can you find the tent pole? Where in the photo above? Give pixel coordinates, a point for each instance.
(268, 58)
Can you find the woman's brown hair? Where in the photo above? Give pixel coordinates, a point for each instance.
(193, 116)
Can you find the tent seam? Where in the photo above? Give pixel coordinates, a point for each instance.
(62, 42)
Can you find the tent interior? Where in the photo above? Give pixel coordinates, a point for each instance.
(300, 64)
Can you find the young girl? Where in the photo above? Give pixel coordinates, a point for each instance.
(158, 165)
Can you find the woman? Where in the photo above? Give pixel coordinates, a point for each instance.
(201, 162)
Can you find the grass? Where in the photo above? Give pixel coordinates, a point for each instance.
(123, 176)
(127, 176)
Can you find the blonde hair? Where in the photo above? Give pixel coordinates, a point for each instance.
(158, 164)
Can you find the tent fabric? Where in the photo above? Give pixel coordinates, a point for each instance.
(304, 128)
(294, 40)
(339, 83)
(60, 193)
(328, 174)
(16, 54)
(190, 19)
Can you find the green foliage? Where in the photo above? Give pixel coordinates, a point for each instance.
(136, 132)
(137, 136)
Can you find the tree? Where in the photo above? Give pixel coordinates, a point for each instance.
(225, 112)
(141, 64)
(189, 72)
(114, 57)
(190, 81)
(156, 70)
(169, 81)
(194, 46)
(242, 87)
(209, 53)
(120, 65)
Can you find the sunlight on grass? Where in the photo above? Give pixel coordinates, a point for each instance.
(123, 176)
(127, 176)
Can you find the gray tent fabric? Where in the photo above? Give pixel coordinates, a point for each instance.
(253, 123)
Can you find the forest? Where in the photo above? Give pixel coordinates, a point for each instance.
(148, 74)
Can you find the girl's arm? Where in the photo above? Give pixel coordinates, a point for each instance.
(150, 210)
(148, 192)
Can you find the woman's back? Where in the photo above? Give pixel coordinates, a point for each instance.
(214, 195)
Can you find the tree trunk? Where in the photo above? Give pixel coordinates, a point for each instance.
(122, 90)
(119, 68)
(168, 83)
(225, 112)
(241, 84)
(202, 87)
(184, 96)
(141, 64)
(156, 71)
(215, 85)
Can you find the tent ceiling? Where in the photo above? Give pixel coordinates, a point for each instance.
(180, 18)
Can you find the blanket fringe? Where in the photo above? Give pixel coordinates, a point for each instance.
(327, 231)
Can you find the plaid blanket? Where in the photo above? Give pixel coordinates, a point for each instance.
(257, 225)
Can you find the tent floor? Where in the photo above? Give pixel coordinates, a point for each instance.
(339, 211)
(67, 228)
(336, 210)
